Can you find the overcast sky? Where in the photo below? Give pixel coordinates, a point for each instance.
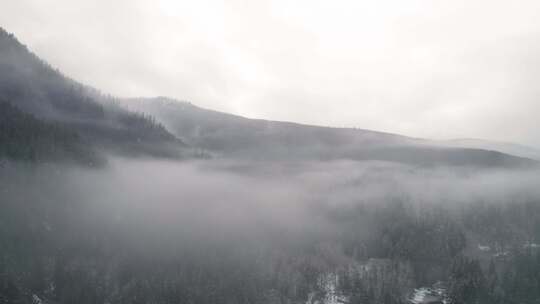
(437, 69)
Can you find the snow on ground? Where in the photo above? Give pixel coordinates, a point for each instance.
(419, 295)
(430, 295)
(329, 284)
(484, 248)
(36, 300)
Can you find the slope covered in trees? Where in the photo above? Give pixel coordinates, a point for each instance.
(119, 246)
(35, 87)
(24, 137)
(238, 137)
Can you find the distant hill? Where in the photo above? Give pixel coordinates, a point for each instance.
(503, 147)
(234, 136)
(34, 87)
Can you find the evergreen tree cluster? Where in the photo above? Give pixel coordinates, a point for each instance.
(34, 87)
(24, 137)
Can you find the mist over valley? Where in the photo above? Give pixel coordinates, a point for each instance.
(107, 199)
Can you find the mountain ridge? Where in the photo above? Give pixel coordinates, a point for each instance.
(36, 88)
(236, 136)
(163, 127)
(501, 146)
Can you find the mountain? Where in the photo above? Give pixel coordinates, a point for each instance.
(24, 137)
(35, 88)
(127, 126)
(234, 136)
(503, 147)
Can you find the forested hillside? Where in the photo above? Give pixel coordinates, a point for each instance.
(24, 137)
(136, 240)
(239, 137)
(34, 87)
